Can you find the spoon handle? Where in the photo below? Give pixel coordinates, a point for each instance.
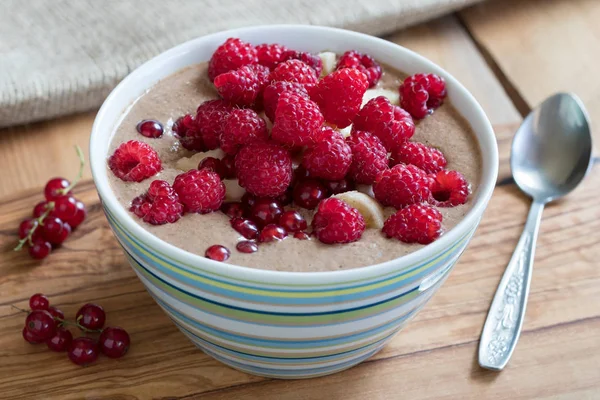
(505, 317)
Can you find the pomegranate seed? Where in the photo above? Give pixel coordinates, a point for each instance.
(40, 249)
(39, 302)
(335, 187)
(248, 201)
(60, 341)
(246, 246)
(228, 164)
(264, 212)
(271, 233)
(114, 342)
(150, 128)
(308, 193)
(83, 351)
(292, 221)
(245, 227)
(300, 174)
(54, 188)
(40, 324)
(233, 210)
(30, 338)
(302, 235)
(213, 164)
(285, 198)
(217, 252)
(91, 316)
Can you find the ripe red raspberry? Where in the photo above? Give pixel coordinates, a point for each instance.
(330, 157)
(210, 117)
(449, 189)
(134, 161)
(242, 126)
(264, 169)
(402, 185)
(242, 86)
(232, 54)
(297, 120)
(369, 157)
(160, 205)
(270, 55)
(312, 60)
(420, 94)
(339, 95)
(188, 133)
(362, 62)
(336, 222)
(427, 158)
(200, 191)
(294, 71)
(388, 122)
(416, 223)
(273, 91)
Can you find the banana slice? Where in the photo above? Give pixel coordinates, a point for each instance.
(368, 207)
(345, 131)
(392, 95)
(366, 189)
(329, 61)
(233, 191)
(187, 163)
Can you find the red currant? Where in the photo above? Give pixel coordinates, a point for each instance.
(83, 351)
(228, 164)
(26, 226)
(150, 128)
(30, 338)
(65, 207)
(61, 340)
(39, 302)
(309, 193)
(40, 249)
(40, 209)
(292, 221)
(233, 210)
(55, 231)
(272, 233)
(245, 227)
(79, 216)
(213, 164)
(217, 252)
(57, 314)
(40, 324)
(265, 212)
(114, 342)
(91, 316)
(55, 188)
(246, 246)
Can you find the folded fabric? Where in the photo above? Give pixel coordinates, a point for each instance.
(64, 56)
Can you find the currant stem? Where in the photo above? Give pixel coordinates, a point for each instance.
(79, 174)
(63, 322)
(19, 309)
(40, 222)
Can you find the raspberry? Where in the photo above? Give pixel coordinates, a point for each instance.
(449, 189)
(421, 156)
(160, 205)
(264, 169)
(402, 185)
(297, 120)
(420, 94)
(294, 71)
(337, 222)
(369, 157)
(330, 157)
(134, 161)
(339, 95)
(270, 55)
(312, 60)
(273, 91)
(362, 62)
(210, 117)
(242, 126)
(188, 133)
(388, 122)
(242, 86)
(200, 191)
(232, 54)
(416, 223)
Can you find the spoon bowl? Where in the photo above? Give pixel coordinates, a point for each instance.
(552, 149)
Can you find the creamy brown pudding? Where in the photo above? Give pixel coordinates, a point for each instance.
(183, 91)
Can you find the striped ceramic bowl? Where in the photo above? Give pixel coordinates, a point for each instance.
(286, 324)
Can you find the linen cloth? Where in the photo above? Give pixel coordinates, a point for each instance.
(64, 56)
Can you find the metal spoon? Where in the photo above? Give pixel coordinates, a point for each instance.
(551, 153)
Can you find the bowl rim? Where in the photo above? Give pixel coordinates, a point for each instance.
(446, 241)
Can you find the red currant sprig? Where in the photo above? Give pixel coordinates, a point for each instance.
(55, 218)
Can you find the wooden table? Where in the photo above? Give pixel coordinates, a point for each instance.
(510, 54)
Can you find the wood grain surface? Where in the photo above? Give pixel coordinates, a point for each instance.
(433, 358)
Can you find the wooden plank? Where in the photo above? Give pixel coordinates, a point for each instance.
(549, 46)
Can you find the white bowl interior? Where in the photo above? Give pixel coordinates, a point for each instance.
(305, 38)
